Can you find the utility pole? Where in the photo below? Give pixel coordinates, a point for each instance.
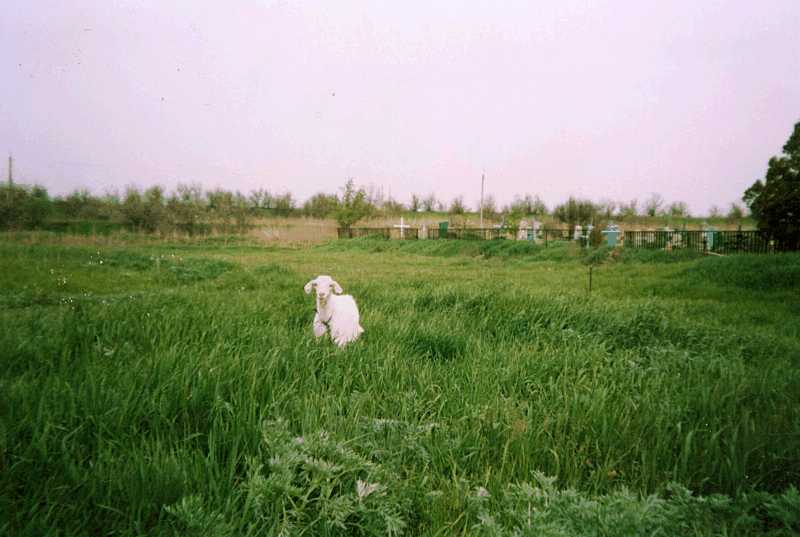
(10, 170)
(483, 179)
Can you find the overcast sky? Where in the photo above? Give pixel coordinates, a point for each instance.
(599, 99)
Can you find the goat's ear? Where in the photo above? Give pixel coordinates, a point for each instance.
(309, 285)
(337, 287)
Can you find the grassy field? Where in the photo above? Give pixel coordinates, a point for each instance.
(176, 389)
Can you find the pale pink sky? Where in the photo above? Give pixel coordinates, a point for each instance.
(600, 99)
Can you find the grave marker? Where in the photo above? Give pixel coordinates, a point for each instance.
(402, 225)
(522, 232)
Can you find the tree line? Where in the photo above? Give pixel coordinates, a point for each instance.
(191, 209)
(774, 203)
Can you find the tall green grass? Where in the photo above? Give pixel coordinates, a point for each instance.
(175, 391)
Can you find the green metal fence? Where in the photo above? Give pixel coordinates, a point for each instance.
(721, 242)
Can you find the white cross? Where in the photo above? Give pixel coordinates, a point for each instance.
(402, 225)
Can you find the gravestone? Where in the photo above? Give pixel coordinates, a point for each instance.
(578, 233)
(535, 230)
(710, 232)
(676, 239)
(522, 232)
(403, 226)
(612, 234)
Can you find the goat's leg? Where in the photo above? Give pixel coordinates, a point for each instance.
(319, 327)
(343, 337)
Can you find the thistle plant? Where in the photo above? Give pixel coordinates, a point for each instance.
(312, 483)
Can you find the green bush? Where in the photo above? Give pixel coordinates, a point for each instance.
(23, 207)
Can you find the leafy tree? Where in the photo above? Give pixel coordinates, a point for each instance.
(735, 213)
(154, 203)
(628, 210)
(607, 208)
(416, 203)
(321, 205)
(109, 205)
(354, 205)
(714, 211)
(23, 207)
(241, 211)
(575, 211)
(145, 212)
(775, 202)
(132, 208)
(374, 195)
(457, 205)
(220, 207)
(430, 203)
(229, 209)
(528, 205)
(537, 206)
(185, 207)
(80, 204)
(36, 208)
(679, 209)
(393, 207)
(512, 219)
(284, 204)
(260, 199)
(652, 207)
(489, 207)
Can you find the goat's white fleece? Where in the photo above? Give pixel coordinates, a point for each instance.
(341, 316)
(339, 313)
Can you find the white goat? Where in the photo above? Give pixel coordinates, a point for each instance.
(336, 312)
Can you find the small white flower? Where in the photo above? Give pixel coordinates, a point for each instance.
(482, 492)
(299, 440)
(364, 489)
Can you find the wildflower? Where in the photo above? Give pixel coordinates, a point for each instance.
(299, 440)
(482, 492)
(364, 489)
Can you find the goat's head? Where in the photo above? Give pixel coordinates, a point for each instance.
(324, 286)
